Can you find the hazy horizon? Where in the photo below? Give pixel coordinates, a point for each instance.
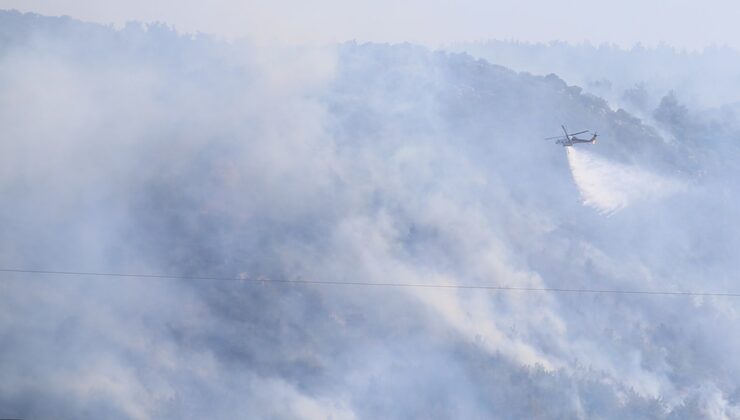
(684, 24)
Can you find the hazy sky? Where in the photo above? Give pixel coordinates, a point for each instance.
(682, 23)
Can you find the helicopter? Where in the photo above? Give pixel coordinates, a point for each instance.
(569, 139)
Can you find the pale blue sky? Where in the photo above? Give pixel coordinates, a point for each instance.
(682, 23)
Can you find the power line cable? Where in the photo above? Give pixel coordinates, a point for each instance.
(361, 283)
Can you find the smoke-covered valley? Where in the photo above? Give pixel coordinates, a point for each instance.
(141, 150)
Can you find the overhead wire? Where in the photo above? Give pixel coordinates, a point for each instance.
(378, 284)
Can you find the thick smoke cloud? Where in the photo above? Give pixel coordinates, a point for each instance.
(141, 150)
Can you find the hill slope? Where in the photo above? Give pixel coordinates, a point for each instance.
(141, 150)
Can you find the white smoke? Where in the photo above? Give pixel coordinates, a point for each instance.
(355, 163)
(610, 186)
